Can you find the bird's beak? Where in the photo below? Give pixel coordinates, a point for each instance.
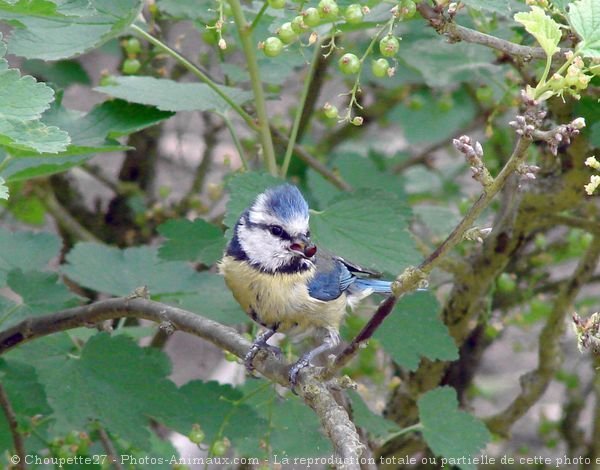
(303, 246)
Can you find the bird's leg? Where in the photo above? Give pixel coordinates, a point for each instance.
(260, 343)
(329, 342)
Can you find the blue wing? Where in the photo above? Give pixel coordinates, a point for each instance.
(335, 275)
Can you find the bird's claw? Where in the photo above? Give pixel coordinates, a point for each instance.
(295, 370)
(253, 351)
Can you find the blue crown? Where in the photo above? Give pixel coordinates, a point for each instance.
(285, 202)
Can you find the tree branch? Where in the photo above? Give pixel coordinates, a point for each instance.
(456, 33)
(13, 425)
(335, 420)
(111, 452)
(534, 383)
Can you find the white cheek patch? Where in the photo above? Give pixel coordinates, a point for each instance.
(259, 214)
(264, 249)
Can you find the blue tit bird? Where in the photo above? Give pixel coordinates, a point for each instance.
(283, 282)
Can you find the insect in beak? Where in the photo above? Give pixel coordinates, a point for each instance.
(303, 246)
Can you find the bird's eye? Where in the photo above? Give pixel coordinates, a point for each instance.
(308, 234)
(276, 230)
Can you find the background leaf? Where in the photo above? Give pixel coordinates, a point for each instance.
(450, 432)
(120, 272)
(584, 16)
(367, 227)
(168, 95)
(187, 240)
(414, 330)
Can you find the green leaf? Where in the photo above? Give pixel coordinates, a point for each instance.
(450, 432)
(90, 133)
(41, 292)
(367, 227)
(584, 16)
(120, 272)
(3, 189)
(243, 189)
(290, 428)
(115, 382)
(22, 102)
(439, 220)
(543, 28)
(169, 95)
(188, 9)
(376, 424)
(41, 32)
(414, 330)
(25, 393)
(219, 408)
(211, 299)
(427, 123)
(62, 73)
(196, 241)
(460, 62)
(26, 250)
(504, 8)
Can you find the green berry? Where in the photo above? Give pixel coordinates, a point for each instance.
(330, 111)
(196, 435)
(349, 64)
(357, 121)
(311, 17)
(277, 4)
(286, 33)
(416, 103)
(389, 45)
(380, 67)
(130, 66)
(354, 14)
(218, 448)
(133, 46)
(272, 46)
(484, 94)
(328, 9)
(407, 8)
(506, 283)
(445, 103)
(298, 25)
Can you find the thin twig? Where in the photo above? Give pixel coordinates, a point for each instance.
(455, 32)
(63, 218)
(111, 452)
(314, 392)
(19, 458)
(534, 383)
(245, 32)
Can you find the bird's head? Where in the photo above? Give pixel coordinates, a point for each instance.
(274, 231)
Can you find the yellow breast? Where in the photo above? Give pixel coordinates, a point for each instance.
(280, 301)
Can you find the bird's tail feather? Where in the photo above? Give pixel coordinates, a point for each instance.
(377, 286)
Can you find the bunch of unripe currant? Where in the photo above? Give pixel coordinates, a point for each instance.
(328, 11)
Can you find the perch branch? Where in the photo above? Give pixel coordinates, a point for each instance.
(534, 383)
(11, 418)
(111, 452)
(335, 421)
(455, 33)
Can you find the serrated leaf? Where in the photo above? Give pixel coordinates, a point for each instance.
(120, 272)
(543, 28)
(211, 299)
(414, 330)
(289, 426)
(187, 9)
(66, 32)
(243, 189)
(3, 189)
(196, 241)
(32, 135)
(503, 8)
(367, 227)
(584, 16)
(115, 382)
(25, 250)
(375, 424)
(169, 95)
(41, 292)
(449, 431)
(219, 409)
